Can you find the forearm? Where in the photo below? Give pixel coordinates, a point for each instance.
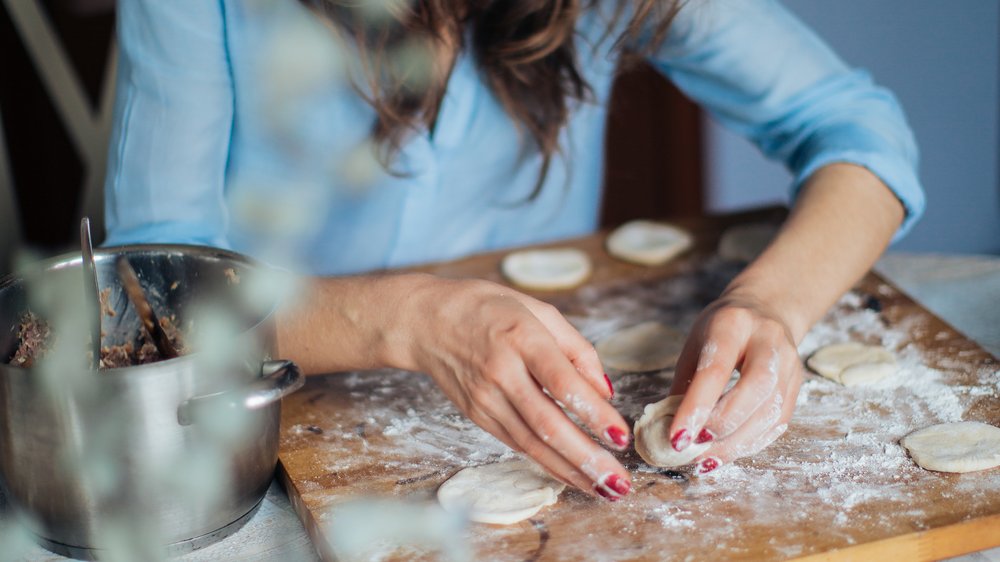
(491, 350)
(344, 324)
(841, 223)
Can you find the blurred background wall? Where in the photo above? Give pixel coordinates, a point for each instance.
(942, 59)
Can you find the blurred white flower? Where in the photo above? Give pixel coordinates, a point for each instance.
(128, 537)
(370, 528)
(198, 475)
(413, 63)
(357, 169)
(265, 287)
(299, 211)
(16, 540)
(376, 11)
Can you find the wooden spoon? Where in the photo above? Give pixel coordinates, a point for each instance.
(130, 281)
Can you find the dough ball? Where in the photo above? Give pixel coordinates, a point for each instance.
(501, 493)
(652, 435)
(560, 268)
(649, 346)
(647, 243)
(955, 447)
(853, 364)
(744, 242)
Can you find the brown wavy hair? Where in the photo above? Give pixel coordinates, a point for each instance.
(524, 50)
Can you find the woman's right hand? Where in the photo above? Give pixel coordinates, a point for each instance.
(504, 359)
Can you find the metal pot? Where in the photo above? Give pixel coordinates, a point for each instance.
(181, 450)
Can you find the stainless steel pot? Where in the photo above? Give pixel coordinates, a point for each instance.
(180, 450)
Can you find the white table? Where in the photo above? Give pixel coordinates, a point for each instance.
(962, 290)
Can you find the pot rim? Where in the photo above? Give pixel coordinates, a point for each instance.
(71, 259)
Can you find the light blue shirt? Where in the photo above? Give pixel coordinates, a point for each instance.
(236, 126)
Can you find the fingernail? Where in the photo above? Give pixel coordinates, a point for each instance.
(611, 388)
(708, 465)
(680, 440)
(612, 487)
(618, 484)
(606, 494)
(704, 436)
(617, 435)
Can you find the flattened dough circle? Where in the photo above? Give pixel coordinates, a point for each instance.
(853, 364)
(652, 439)
(501, 493)
(650, 346)
(955, 447)
(647, 242)
(558, 268)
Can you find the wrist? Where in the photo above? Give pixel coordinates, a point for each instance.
(397, 312)
(349, 323)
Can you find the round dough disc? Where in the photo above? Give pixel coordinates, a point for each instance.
(744, 242)
(560, 268)
(955, 447)
(649, 346)
(501, 493)
(853, 364)
(647, 243)
(652, 439)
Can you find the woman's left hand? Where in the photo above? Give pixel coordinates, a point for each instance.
(843, 219)
(737, 332)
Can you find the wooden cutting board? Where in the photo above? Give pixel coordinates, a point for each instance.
(836, 486)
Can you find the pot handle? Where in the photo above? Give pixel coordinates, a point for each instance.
(279, 378)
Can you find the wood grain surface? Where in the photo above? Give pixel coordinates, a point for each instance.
(836, 486)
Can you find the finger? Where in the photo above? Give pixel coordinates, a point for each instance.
(541, 443)
(716, 360)
(724, 453)
(606, 475)
(766, 424)
(563, 471)
(575, 347)
(550, 425)
(554, 373)
(758, 381)
(494, 428)
(691, 360)
(558, 467)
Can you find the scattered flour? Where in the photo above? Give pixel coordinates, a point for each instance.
(842, 449)
(837, 469)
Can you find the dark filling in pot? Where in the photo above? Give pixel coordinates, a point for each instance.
(35, 340)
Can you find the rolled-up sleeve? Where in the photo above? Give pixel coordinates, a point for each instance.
(761, 72)
(172, 124)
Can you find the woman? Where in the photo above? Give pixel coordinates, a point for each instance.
(250, 124)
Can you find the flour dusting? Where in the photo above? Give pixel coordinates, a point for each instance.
(836, 477)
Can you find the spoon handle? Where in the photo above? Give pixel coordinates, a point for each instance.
(92, 291)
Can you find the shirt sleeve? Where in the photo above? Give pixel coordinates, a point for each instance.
(172, 122)
(761, 72)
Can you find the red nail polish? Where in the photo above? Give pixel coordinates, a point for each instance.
(704, 436)
(605, 493)
(620, 485)
(617, 436)
(611, 388)
(708, 465)
(680, 440)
